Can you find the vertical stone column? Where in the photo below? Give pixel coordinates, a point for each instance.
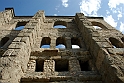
(68, 42)
(81, 43)
(74, 66)
(49, 67)
(53, 42)
(31, 66)
(6, 16)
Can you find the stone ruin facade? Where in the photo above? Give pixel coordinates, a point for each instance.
(99, 58)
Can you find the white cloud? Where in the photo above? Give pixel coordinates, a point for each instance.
(122, 27)
(107, 11)
(57, 7)
(114, 10)
(64, 3)
(55, 14)
(119, 15)
(90, 7)
(109, 19)
(114, 3)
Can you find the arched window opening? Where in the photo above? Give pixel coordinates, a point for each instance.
(60, 46)
(116, 43)
(20, 25)
(122, 39)
(45, 46)
(45, 43)
(75, 43)
(60, 42)
(4, 41)
(98, 25)
(60, 24)
(19, 28)
(75, 46)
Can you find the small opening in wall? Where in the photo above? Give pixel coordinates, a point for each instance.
(45, 43)
(19, 28)
(97, 27)
(75, 43)
(122, 39)
(39, 65)
(20, 25)
(61, 65)
(84, 65)
(60, 46)
(75, 46)
(60, 24)
(60, 42)
(116, 43)
(45, 46)
(4, 41)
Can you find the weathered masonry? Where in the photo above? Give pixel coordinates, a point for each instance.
(59, 49)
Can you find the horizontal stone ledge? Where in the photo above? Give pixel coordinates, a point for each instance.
(66, 82)
(88, 72)
(60, 78)
(116, 51)
(16, 45)
(90, 78)
(46, 79)
(51, 53)
(93, 79)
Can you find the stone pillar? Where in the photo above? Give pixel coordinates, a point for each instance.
(74, 66)
(31, 66)
(81, 43)
(68, 42)
(49, 67)
(53, 42)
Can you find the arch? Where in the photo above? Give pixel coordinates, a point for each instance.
(99, 25)
(116, 43)
(60, 46)
(122, 39)
(75, 42)
(45, 43)
(60, 24)
(60, 42)
(19, 28)
(20, 25)
(4, 41)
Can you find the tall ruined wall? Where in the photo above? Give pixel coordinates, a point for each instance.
(99, 58)
(106, 47)
(13, 62)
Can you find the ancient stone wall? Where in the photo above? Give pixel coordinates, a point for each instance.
(23, 59)
(106, 48)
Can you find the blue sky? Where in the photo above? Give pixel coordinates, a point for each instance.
(111, 10)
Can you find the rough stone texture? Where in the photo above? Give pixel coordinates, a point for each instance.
(100, 58)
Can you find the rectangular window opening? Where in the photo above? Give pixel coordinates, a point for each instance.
(84, 65)
(39, 65)
(61, 65)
